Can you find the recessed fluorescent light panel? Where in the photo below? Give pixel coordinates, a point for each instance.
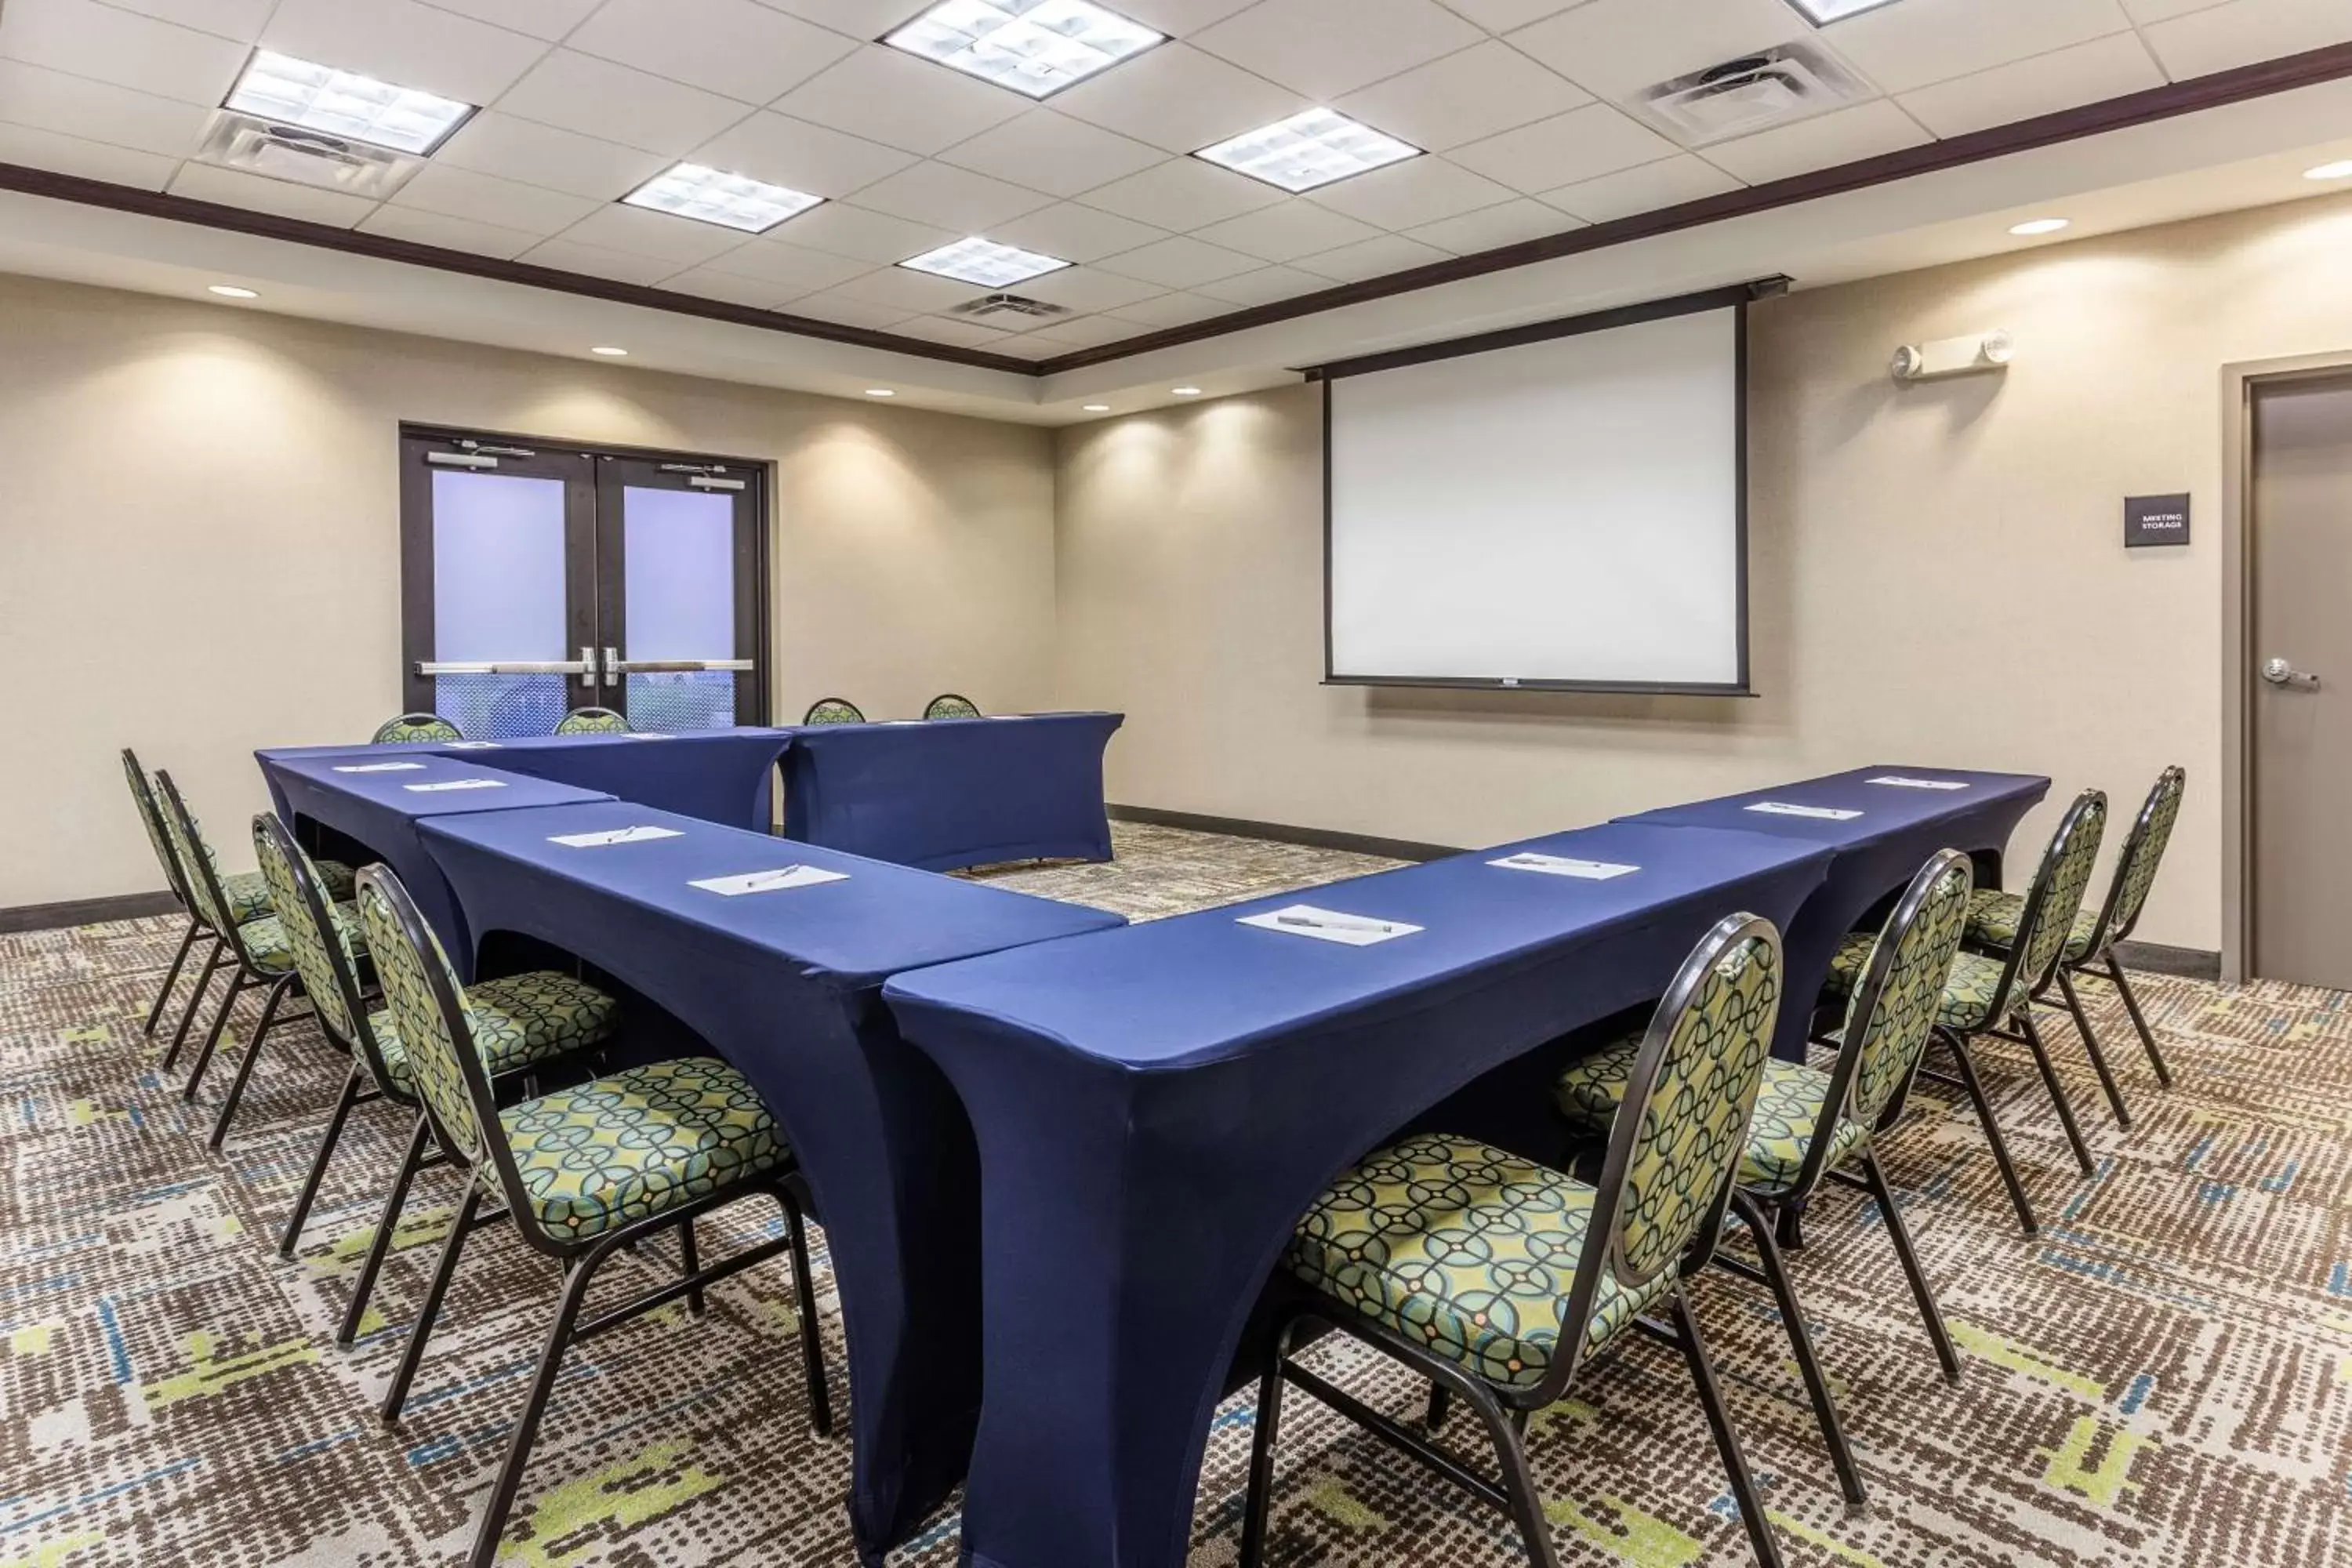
(712, 195)
(984, 262)
(344, 103)
(1821, 13)
(1308, 150)
(1034, 47)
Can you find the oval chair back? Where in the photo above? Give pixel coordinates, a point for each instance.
(1675, 1143)
(322, 956)
(2136, 867)
(209, 902)
(151, 817)
(2056, 898)
(415, 730)
(593, 722)
(1892, 1014)
(833, 710)
(428, 1013)
(949, 705)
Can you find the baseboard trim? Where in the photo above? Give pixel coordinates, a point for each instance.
(86, 911)
(2189, 962)
(1284, 833)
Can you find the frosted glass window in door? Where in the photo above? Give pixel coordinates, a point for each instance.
(679, 573)
(498, 595)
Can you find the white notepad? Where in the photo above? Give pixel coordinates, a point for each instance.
(1826, 813)
(456, 783)
(1899, 782)
(1329, 925)
(1561, 866)
(647, 735)
(776, 881)
(380, 768)
(614, 835)
(469, 745)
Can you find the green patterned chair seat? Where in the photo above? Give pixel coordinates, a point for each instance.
(627, 1147)
(1465, 1250)
(266, 942)
(518, 1022)
(1968, 994)
(1993, 918)
(248, 894)
(1788, 1109)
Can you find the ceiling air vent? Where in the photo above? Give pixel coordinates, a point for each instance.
(1755, 92)
(1009, 305)
(236, 141)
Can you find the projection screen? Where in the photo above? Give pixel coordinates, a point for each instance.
(1567, 513)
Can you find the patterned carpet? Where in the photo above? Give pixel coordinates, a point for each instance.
(2163, 1378)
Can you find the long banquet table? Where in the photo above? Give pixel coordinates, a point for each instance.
(786, 986)
(1156, 1106)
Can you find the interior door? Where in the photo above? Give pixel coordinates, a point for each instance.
(2301, 554)
(679, 610)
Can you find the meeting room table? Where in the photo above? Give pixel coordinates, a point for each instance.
(774, 952)
(1155, 1107)
(1880, 824)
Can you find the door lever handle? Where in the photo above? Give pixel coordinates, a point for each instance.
(2278, 672)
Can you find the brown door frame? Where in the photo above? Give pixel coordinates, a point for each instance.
(2238, 384)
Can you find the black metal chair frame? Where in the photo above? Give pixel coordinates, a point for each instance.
(594, 712)
(1503, 1410)
(930, 708)
(580, 1259)
(810, 716)
(175, 882)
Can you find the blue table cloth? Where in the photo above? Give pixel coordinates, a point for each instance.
(719, 776)
(1876, 853)
(953, 792)
(383, 811)
(1156, 1106)
(785, 986)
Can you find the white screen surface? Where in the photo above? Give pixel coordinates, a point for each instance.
(1561, 512)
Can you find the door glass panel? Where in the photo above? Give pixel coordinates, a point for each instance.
(678, 580)
(499, 594)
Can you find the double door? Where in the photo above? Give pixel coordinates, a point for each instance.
(537, 578)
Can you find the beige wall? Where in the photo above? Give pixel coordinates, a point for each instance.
(1938, 575)
(199, 547)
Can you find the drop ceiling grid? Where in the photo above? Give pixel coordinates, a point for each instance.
(1520, 101)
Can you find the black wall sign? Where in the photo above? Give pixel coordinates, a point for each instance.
(2155, 519)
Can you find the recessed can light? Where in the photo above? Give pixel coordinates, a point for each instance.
(880, 392)
(1821, 13)
(714, 195)
(609, 351)
(1096, 407)
(1185, 390)
(344, 103)
(984, 262)
(2040, 226)
(231, 292)
(2339, 169)
(1308, 150)
(1034, 47)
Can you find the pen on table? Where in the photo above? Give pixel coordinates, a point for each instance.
(1333, 925)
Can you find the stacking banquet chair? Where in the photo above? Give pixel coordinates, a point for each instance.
(1812, 1126)
(833, 710)
(415, 730)
(947, 705)
(1994, 917)
(1995, 995)
(593, 722)
(256, 949)
(1499, 1279)
(583, 1172)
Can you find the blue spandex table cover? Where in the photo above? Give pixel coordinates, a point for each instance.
(953, 792)
(383, 811)
(1155, 1107)
(1877, 853)
(785, 986)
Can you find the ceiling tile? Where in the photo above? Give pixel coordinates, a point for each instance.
(849, 312)
(239, 19)
(1089, 288)
(1682, 178)
(596, 98)
(524, 150)
(1179, 18)
(1614, 48)
(893, 98)
(1181, 263)
(1174, 309)
(403, 42)
(76, 106)
(950, 198)
(1325, 48)
(680, 242)
(1184, 193)
(1489, 87)
(1088, 331)
(1053, 153)
(858, 19)
(1845, 136)
(449, 233)
(2145, 11)
(845, 230)
(792, 153)
(1076, 233)
(453, 191)
(1405, 196)
(1502, 16)
(549, 20)
(1923, 41)
(953, 329)
(621, 265)
(2246, 31)
(1583, 144)
(1179, 99)
(737, 47)
(791, 268)
(1263, 287)
(39, 149)
(710, 283)
(1373, 258)
(234, 187)
(85, 38)
(1291, 228)
(909, 290)
(2105, 68)
(1511, 222)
